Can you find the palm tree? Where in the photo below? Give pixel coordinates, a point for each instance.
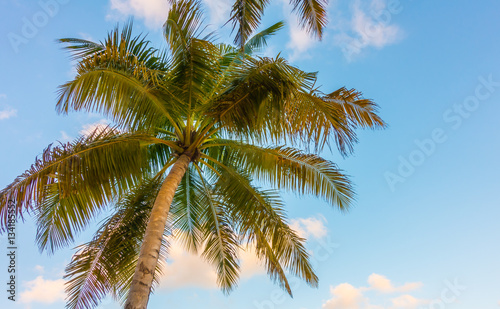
(196, 129)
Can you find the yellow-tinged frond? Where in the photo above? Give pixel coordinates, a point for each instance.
(92, 170)
(259, 217)
(287, 168)
(317, 119)
(106, 263)
(253, 85)
(360, 111)
(311, 15)
(246, 16)
(221, 241)
(118, 95)
(186, 211)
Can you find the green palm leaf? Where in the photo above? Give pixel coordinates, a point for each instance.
(106, 263)
(246, 16)
(287, 168)
(259, 217)
(109, 162)
(312, 15)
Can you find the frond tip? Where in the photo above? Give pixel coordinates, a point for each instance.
(312, 15)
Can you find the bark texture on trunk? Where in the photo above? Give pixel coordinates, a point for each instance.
(150, 249)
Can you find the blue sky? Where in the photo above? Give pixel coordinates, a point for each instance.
(424, 232)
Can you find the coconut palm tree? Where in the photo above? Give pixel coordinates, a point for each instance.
(197, 133)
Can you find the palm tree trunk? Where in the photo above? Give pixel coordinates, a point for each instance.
(150, 249)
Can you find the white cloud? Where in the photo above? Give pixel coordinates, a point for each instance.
(382, 284)
(250, 265)
(153, 12)
(309, 227)
(300, 41)
(407, 302)
(39, 269)
(86, 36)
(87, 129)
(370, 26)
(6, 112)
(184, 269)
(346, 296)
(218, 10)
(43, 291)
(65, 137)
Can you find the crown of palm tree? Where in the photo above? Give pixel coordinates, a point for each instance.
(220, 109)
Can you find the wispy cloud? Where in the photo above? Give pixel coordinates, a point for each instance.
(407, 302)
(218, 10)
(300, 41)
(370, 26)
(155, 12)
(6, 111)
(65, 137)
(184, 269)
(346, 296)
(152, 12)
(382, 284)
(39, 269)
(86, 36)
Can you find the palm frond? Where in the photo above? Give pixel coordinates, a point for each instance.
(287, 168)
(194, 59)
(91, 171)
(256, 84)
(221, 241)
(327, 119)
(123, 82)
(312, 15)
(106, 263)
(259, 217)
(360, 111)
(246, 16)
(187, 209)
(183, 23)
(259, 40)
(81, 48)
